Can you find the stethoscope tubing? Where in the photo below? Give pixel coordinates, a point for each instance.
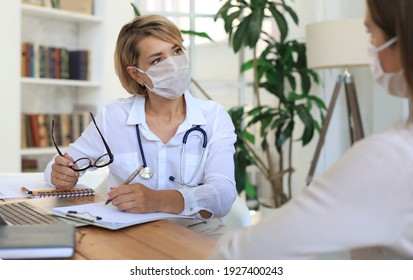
(184, 141)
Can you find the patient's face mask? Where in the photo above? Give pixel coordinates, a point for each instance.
(394, 83)
(170, 78)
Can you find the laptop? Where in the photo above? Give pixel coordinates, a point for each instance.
(35, 212)
(25, 213)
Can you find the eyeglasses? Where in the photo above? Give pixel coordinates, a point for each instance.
(85, 163)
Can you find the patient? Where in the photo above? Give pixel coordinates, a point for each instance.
(364, 202)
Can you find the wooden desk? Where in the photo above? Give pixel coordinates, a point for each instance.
(161, 240)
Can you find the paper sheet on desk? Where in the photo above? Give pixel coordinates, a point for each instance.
(11, 187)
(112, 218)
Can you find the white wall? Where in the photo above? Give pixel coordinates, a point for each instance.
(9, 93)
(116, 14)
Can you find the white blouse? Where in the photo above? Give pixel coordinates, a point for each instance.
(363, 203)
(118, 121)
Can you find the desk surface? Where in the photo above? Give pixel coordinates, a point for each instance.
(161, 240)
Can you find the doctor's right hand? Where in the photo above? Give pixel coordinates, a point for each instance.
(63, 177)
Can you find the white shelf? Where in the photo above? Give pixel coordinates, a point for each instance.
(57, 14)
(59, 82)
(38, 151)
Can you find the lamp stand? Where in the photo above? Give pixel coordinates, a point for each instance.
(354, 117)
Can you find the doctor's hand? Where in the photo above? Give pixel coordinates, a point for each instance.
(137, 198)
(63, 177)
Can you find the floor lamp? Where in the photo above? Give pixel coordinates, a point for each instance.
(338, 44)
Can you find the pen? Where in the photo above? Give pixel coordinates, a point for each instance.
(127, 181)
(24, 189)
(80, 218)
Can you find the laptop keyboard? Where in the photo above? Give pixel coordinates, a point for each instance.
(24, 213)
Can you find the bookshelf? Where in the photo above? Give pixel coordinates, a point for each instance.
(52, 27)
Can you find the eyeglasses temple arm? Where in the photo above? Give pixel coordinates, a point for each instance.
(103, 139)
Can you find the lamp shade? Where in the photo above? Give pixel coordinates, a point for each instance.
(338, 43)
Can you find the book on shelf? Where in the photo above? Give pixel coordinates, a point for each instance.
(42, 62)
(30, 165)
(43, 125)
(77, 6)
(24, 55)
(44, 3)
(64, 63)
(33, 125)
(23, 132)
(79, 64)
(37, 128)
(34, 2)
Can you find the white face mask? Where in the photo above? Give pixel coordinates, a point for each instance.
(394, 83)
(170, 78)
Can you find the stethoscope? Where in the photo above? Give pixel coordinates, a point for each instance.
(147, 172)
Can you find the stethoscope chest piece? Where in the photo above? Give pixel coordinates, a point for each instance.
(146, 173)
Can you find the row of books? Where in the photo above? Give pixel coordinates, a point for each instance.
(37, 128)
(77, 6)
(40, 61)
(30, 165)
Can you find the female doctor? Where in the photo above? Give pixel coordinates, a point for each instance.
(364, 202)
(182, 146)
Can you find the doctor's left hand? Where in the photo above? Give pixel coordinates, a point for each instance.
(137, 198)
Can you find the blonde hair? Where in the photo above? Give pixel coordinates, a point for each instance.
(127, 51)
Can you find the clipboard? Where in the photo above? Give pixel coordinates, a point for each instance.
(108, 216)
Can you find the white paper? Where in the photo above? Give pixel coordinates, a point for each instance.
(11, 187)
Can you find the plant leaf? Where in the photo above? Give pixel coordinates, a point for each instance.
(320, 103)
(283, 135)
(199, 34)
(292, 13)
(135, 10)
(254, 27)
(222, 12)
(280, 20)
(308, 122)
(230, 19)
(239, 35)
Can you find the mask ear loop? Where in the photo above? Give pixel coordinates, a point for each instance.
(143, 72)
(385, 45)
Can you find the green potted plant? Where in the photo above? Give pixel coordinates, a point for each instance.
(280, 68)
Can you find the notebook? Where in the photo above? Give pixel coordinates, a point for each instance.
(75, 192)
(108, 216)
(36, 241)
